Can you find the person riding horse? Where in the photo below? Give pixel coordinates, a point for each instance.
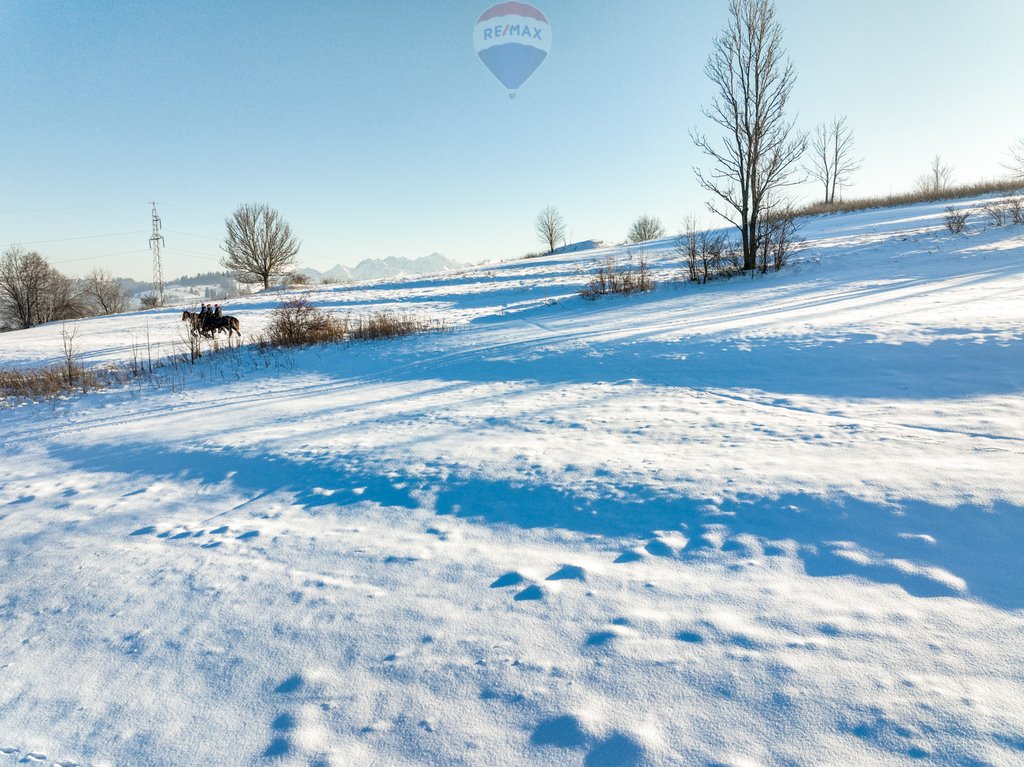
(209, 320)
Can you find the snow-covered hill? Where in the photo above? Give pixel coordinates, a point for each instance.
(766, 521)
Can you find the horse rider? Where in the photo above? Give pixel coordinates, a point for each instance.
(216, 311)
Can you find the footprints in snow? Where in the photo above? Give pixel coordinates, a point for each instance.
(535, 592)
(288, 737)
(206, 539)
(33, 757)
(567, 732)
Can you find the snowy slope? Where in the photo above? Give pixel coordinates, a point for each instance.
(772, 521)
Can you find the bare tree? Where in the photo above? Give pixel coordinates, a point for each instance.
(106, 294)
(259, 244)
(33, 292)
(832, 161)
(936, 180)
(1016, 162)
(761, 149)
(550, 227)
(646, 228)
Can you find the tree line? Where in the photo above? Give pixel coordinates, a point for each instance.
(33, 292)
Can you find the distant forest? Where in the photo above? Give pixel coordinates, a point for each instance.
(225, 284)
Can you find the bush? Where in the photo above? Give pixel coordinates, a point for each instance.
(1015, 209)
(776, 240)
(646, 228)
(707, 255)
(997, 212)
(616, 278)
(956, 220)
(296, 278)
(298, 323)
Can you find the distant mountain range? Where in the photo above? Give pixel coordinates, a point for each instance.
(377, 268)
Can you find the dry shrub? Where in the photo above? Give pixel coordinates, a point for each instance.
(386, 324)
(1015, 209)
(618, 278)
(299, 323)
(705, 253)
(956, 220)
(777, 238)
(997, 211)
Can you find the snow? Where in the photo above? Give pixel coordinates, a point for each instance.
(766, 521)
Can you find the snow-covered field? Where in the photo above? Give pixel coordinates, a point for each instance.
(762, 522)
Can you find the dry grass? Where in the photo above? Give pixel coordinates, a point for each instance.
(957, 192)
(618, 278)
(47, 382)
(300, 323)
(381, 325)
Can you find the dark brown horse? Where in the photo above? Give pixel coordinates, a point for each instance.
(209, 325)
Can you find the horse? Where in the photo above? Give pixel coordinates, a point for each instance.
(209, 325)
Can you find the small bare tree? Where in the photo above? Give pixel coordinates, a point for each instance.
(646, 228)
(1016, 161)
(259, 244)
(69, 343)
(550, 227)
(832, 161)
(106, 294)
(936, 180)
(760, 150)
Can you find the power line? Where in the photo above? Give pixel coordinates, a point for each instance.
(200, 236)
(70, 239)
(93, 258)
(192, 253)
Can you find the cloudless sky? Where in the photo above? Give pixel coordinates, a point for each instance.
(376, 131)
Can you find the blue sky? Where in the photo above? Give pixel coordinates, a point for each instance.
(376, 131)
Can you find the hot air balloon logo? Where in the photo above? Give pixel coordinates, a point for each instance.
(512, 39)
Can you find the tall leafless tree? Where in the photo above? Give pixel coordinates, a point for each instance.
(761, 149)
(550, 227)
(259, 244)
(32, 291)
(106, 294)
(646, 228)
(936, 180)
(832, 161)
